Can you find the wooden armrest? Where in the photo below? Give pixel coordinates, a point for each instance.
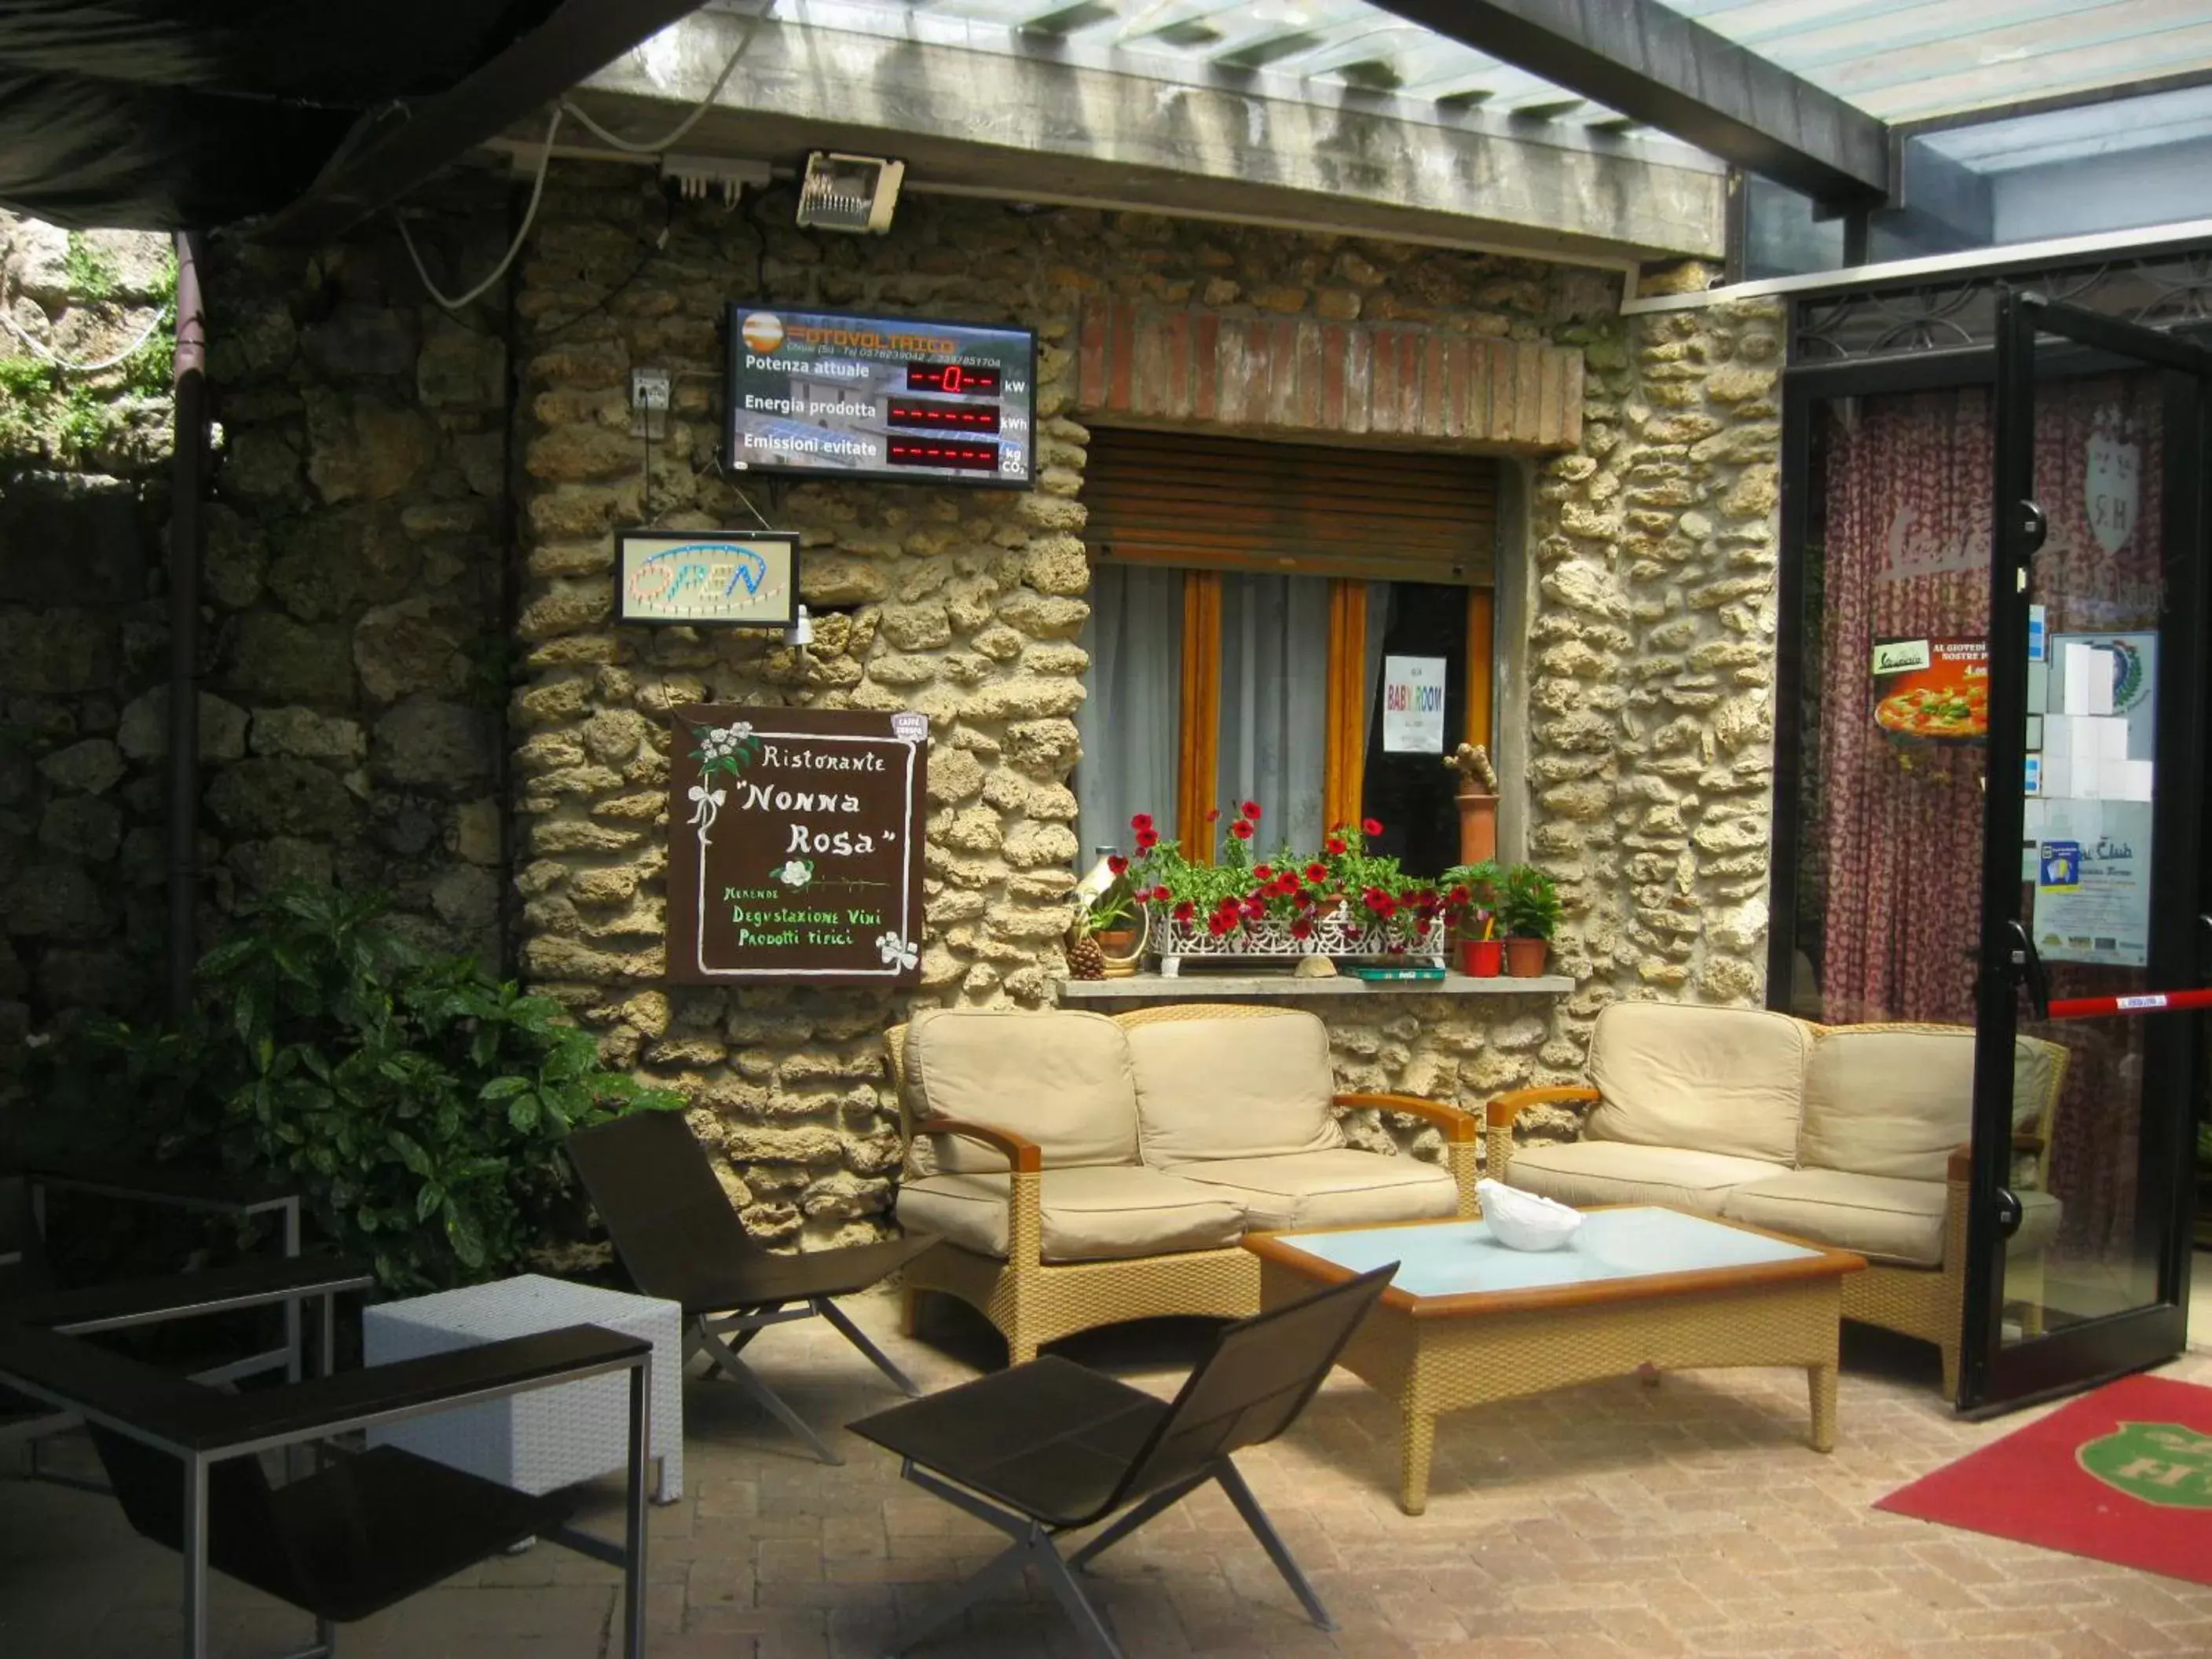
(1022, 1154)
(1959, 1166)
(1504, 1107)
(1456, 1124)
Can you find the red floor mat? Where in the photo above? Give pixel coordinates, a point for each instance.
(2123, 1475)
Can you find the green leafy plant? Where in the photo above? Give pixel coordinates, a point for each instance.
(1472, 894)
(90, 273)
(418, 1105)
(85, 425)
(1528, 905)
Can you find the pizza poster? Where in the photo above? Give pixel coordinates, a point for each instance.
(795, 846)
(1932, 690)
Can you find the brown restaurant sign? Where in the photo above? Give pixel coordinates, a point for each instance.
(795, 846)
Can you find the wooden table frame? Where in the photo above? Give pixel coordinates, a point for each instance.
(1445, 1353)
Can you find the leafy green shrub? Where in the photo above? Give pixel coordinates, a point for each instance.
(90, 273)
(418, 1105)
(1529, 906)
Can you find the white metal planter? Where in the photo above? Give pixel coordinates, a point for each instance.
(1347, 933)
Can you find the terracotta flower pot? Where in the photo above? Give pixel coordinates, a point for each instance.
(1481, 959)
(1524, 958)
(1478, 827)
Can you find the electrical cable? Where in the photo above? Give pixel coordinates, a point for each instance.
(529, 216)
(668, 140)
(69, 368)
(653, 249)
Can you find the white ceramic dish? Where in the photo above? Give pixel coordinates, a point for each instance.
(1525, 1221)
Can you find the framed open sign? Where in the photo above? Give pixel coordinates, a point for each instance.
(707, 578)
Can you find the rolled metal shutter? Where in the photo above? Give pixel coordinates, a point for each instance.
(1213, 503)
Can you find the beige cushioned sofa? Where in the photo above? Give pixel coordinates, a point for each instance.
(1851, 1136)
(1083, 1170)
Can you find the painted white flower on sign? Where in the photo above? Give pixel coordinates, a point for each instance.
(796, 873)
(721, 741)
(895, 952)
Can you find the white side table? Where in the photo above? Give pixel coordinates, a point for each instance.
(548, 1438)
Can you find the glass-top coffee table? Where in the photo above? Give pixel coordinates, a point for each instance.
(1466, 1321)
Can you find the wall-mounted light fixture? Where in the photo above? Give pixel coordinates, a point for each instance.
(849, 192)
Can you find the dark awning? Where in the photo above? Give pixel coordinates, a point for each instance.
(165, 113)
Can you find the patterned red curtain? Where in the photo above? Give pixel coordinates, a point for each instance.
(1899, 835)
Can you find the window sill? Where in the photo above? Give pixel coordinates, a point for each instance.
(1208, 987)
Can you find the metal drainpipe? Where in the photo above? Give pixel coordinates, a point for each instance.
(187, 539)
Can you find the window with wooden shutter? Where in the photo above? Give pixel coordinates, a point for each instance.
(1397, 538)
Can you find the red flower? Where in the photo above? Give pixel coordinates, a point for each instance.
(1255, 907)
(1218, 926)
(1302, 928)
(1252, 811)
(1460, 896)
(1375, 898)
(1286, 884)
(1141, 823)
(1147, 839)
(1184, 911)
(1212, 813)
(1370, 826)
(1116, 863)
(1241, 829)
(1337, 845)
(1302, 899)
(1316, 872)
(1161, 896)
(1265, 872)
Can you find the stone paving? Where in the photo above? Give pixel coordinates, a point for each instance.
(1687, 1519)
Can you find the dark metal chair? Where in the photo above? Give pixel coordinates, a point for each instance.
(1049, 1447)
(365, 1528)
(678, 1239)
(24, 1269)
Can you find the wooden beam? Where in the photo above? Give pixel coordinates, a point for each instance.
(1658, 67)
(578, 39)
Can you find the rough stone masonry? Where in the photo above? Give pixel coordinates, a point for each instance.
(412, 529)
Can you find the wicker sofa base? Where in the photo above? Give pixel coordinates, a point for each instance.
(1045, 1302)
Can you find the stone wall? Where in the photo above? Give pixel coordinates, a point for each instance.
(83, 495)
(967, 606)
(353, 661)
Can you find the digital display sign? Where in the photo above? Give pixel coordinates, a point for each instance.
(890, 398)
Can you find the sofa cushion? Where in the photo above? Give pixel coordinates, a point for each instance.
(1345, 1187)
(1101, 1212)
(1060, 1078)
(1895, 1100)
(1252, 1087)
(1615, 1172)
(1883, 1218)
(1726, 1080)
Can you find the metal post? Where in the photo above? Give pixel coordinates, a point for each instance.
(195, 1550)
(640, 1444)
(292, 1332)
(187, 537)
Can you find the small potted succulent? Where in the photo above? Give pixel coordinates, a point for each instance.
(1528, 908)
(1471, 897)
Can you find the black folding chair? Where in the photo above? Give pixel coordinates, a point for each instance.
(367, 1529)
(24, 1269)
(1050, 1446)
(679, 1240)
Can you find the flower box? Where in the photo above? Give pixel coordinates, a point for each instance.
(1346, 933)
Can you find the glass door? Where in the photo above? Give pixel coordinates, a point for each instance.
(2094, 938)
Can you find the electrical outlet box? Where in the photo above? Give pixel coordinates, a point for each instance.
(648, 390)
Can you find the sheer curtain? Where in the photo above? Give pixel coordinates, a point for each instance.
(1274, 702)
(1129, 723)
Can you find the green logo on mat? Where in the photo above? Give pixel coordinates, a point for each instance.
(2162, 1463)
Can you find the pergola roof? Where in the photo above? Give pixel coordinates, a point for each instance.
(157, 112)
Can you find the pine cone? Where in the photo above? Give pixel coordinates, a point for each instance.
(1085, 960)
